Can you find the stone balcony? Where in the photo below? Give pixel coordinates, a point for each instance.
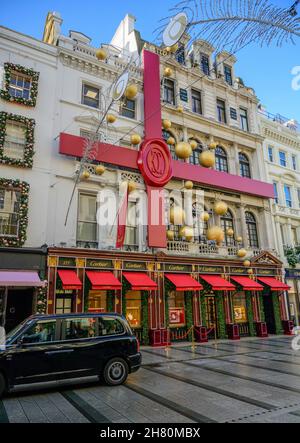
(285, 210)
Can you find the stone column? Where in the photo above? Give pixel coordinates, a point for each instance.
(243, 225)
(289, 233)
(278, 238)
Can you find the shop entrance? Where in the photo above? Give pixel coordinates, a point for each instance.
(19, 306)
(211, 315)
(269, 313)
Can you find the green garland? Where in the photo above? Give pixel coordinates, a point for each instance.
(41, 307)
(189, 311)
(23, 188)
(220, 315)
(110, 301)
(250, 313)
(276, 308)
(145, 319)
(29, 123)
(4, 93)
(261, 305)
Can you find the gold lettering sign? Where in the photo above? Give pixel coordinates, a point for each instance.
(178, 268)
(238, 270)
(135, 265)
(211, 269)
(102, 264)
(67, 261)
(265, 272)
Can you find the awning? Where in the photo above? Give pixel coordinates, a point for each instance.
(247, 284)
(20, 278)
(184, 282)
(140, 281)
(274, 284)
(69, 279)
(218, 283)
(103, 280)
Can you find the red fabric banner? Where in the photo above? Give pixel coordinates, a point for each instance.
(122, 216)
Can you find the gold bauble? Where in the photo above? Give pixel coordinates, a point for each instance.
(250, 271)
(239, 239)
(135, 139)
(193, 144)
(85, 175)
(101, 54)
(168, 72)
(172, 49)
(213, 145)
(166, 124)
(205, 216)
(189, 185)
(215, 233)
(183, 150)
(242, 253)
(170, 235)
(247, 263)
(131, 186)
(220, 208)
(177, 215)
(110, 118)
(207, 159)
(229, 232)
(187, 232)
(171, 141)
(131, 91)
(100, 169)
(180, 109)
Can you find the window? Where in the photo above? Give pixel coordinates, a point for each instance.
(19, 85)
(221, 159)
(194, 158)
(77, 328)
(40, 332)
(227, 223)
(9, 212)
(204, 60)
(134, 308)
(275, 187)
(90, 96)
(228, 74)
(240, 307)
(251, 230)
(298, 195)
(244, 119)
(270, 154)
(97, 301)
(294, 162)
(15, 140)
(244, 166)
(201, 226)
(63, 304)
(294, 236)
(288, 196)
(166, 136)
(169, 91)
(221, 110)
(180, 55)
(282, 158)
(87, 221)
(131, 226)
(128, 108)
(196, 102)
(176, 309)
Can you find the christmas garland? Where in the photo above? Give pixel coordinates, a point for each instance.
(5, 94)
(110, 301)
(250, 313)
(261, 305)
(29, 123)
(22, 187)
(277, 317)
(41, 307)
(189, 312)
(220, 315)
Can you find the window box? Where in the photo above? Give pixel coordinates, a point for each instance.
(10, 144)
(20, 84)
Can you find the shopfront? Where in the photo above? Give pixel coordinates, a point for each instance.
(292, 278)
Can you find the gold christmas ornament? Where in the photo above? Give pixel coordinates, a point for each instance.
(239, 239)
(100, 169)
(177, 215)
(215, 233)
(213, 145)
(131, 92)
(110, 118)
(168, 72)
(171, 141)
(187, 232)
(180, 109)
(101, 54)
(205, 216)
(170, 235)
(220, 208)
(207, 159)
(183, 150)
(166, 124)
(135, 139)
(193, 144)
(85, 175)
(242, 253)
(230, 232)
(131, 186)
(189, 185)
(172, 49)
(250, 271)
(247, 263)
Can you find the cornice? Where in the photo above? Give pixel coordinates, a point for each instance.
(282, 138)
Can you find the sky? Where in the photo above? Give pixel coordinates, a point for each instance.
(267, 70)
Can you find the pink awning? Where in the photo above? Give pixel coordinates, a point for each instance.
(20, 278)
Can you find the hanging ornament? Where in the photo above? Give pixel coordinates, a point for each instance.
(230, 232)
(242, 253)
(101, 54)
(220, 208)
(135, 139)
(187, 232)
(207, 159)
(131, 187)
(177, 215)
(166, 124)
(100, 169)
(171, 141)
(189, 185)
(110, 118)
(193, 144)
(239, 239)
(168, 72)
(131, 91)
(183, 150)
(180, 109)
(247, 263)
(85, 175)
(205, 216)
(215, 233)
(213, 145)
(120, 86)
(170, 235)
(250, 271)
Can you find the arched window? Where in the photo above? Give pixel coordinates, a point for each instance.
(244, 165)
(252, 230)
(166, 136)
(194, 158)
(200, 226)
(227, 223)
(221, 159)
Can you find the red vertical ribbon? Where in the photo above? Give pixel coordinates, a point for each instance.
(122, 217)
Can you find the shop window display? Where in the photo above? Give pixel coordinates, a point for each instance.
(176, 309)
(240, 308)
(134, 308)
(97, 301)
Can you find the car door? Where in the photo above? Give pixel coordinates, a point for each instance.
(29, 357)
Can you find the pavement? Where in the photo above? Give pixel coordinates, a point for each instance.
(251, 380)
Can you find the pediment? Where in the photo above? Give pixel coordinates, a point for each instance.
(266, 258)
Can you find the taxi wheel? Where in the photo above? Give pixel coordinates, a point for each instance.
(115, 372)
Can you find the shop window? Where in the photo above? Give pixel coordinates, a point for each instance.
(87, 221)
(240, 307)
(134, 308)
(97, 301)
(63, 304)
(9, 212)
(221, 159)
(42, 331)
(176, 309)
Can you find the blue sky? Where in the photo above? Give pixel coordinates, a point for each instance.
(267, 70)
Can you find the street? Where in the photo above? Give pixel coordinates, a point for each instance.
(251, 380)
